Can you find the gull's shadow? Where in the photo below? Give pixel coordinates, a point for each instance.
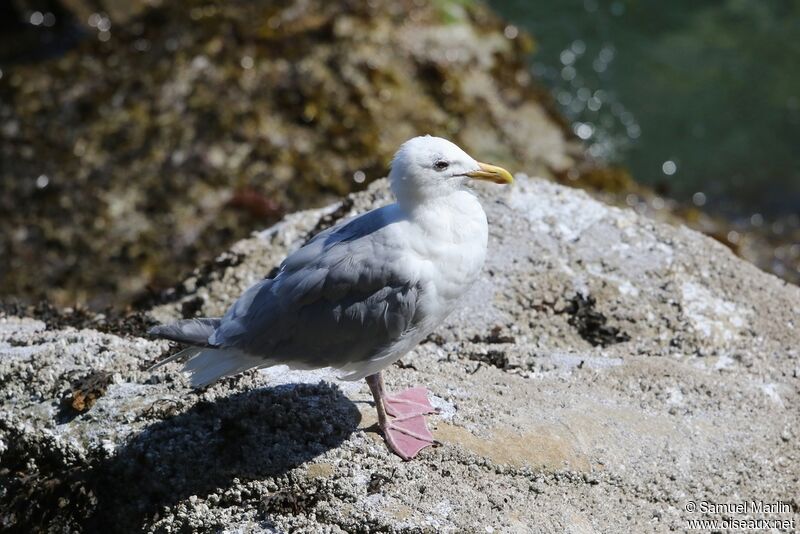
(251, 435)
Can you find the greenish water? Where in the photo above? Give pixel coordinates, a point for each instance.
(700, 99)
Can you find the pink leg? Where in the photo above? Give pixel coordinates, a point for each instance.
(405, 430)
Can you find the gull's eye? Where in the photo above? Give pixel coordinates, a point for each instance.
(441, 165)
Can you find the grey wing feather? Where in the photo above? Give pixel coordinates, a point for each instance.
(338, 300)
(190, 331)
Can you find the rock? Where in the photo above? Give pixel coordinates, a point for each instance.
(692, 397)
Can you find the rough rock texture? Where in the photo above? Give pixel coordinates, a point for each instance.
(604, 371)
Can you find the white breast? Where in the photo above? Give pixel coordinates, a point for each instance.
(451, 244)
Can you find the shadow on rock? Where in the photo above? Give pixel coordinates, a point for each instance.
(251, 435)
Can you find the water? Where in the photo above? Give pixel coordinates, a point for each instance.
(699, 99)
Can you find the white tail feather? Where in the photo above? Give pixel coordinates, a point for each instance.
(209, 365)
(188, 352)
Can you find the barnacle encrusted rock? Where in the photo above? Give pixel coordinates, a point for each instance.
(543, 428)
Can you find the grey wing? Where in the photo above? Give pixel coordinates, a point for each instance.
(339, 300)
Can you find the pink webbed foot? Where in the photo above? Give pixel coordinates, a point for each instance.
(413, 401)
(407, 435)
(401, 417)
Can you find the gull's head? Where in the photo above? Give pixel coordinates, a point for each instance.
(430, 167)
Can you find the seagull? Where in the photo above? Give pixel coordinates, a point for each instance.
(361, 294)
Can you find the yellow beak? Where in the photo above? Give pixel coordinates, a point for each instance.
(492, 173)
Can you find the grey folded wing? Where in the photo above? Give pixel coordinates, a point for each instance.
(343, 298)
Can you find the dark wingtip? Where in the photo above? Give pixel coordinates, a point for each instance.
(156, 331)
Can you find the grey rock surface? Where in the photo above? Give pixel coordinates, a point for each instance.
(603, 372)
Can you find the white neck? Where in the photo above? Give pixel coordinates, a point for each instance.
(455, 218)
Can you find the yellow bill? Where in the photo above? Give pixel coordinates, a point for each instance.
(492, 173)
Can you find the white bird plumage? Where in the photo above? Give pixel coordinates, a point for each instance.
(361, 294)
